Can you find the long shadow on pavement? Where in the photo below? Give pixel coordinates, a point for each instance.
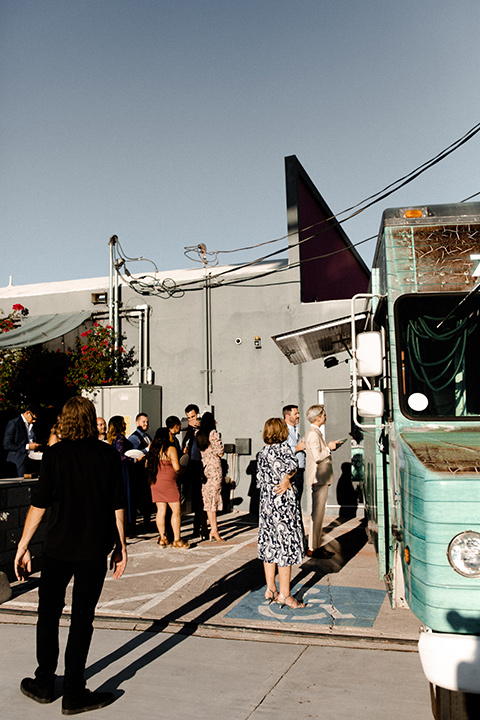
(220, 595)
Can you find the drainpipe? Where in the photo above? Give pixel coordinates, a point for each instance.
(111, 243)
(145, 374)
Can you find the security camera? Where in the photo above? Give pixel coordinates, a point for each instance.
(238, 341)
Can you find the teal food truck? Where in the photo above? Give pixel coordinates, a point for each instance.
(416, 402)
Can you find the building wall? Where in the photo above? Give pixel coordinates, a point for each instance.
(249, 384)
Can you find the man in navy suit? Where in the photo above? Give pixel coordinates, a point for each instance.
(19, 439)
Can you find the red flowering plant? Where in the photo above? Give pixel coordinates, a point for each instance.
(97, 359)
(12, 320)
(46, 378)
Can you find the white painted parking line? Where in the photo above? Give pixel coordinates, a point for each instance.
(155, 572)
(184, 581)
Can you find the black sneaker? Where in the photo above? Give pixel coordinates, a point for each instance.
(37, 690)
(84, 701)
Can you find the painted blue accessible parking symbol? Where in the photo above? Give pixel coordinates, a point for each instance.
(326, 605)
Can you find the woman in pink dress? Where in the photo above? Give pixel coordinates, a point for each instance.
(211, 449)
(162, 467)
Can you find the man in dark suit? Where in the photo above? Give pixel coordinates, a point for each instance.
(19, 439)
(141, 495)
(194, 473)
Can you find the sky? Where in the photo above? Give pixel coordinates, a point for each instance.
(166, 122)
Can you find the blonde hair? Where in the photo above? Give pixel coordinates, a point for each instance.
(315, 411)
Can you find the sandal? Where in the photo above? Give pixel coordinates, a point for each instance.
(163, 542)
(181, 544)
(270, 595)
(290, 602)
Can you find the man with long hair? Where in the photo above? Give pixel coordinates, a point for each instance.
(80, 481)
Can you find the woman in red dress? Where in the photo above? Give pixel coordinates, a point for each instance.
(163, 466)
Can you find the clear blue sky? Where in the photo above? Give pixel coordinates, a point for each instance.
(166, 122)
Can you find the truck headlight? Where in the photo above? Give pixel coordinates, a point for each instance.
(464, 553)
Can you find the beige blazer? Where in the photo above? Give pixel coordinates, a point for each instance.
(318, 468)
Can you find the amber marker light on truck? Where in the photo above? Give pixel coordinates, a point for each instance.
(464, 554)
(414, 213)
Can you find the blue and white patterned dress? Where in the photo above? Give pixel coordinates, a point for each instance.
(281, 538)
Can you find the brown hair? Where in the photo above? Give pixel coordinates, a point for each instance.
(116, 426)
(275, 431)
(78, 419)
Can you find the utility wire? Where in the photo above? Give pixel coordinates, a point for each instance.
(413, 174)
(372, 200)
(366, 203)
(470, 197)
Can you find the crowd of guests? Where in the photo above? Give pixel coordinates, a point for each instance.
(162, 471)
(159, 473)
(86, 482)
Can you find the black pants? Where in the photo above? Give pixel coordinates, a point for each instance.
(88, 578)
(195, 477)
(298, 480)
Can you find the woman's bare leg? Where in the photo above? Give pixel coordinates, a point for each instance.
(284, 596)
(284, 574)
(160, 517)
(270, 570)
(176, 520)
(212, 519)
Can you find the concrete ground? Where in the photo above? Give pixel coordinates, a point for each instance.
(176, 676)
(187, 633)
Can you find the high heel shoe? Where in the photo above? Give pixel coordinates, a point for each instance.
(270, 595)
(215, 538)
(290, 602)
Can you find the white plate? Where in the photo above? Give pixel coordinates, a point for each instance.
(35, 454)
(137, 454)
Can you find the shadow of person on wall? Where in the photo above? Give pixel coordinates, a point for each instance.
(253, 490)
(347, 496)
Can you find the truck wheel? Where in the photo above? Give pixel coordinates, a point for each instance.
(451, 705)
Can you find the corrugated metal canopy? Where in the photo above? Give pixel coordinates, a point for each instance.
(318, 341)
(41, 329)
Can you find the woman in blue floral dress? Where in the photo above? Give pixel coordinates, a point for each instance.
(281, 539)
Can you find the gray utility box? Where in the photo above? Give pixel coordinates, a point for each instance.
(129, 400)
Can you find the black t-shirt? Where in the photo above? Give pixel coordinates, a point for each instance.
(81, 481)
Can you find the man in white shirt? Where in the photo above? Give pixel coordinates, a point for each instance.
(319, 475)
(292, 418)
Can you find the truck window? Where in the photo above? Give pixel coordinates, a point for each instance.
(438, 368)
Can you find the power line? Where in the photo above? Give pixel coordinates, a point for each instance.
(363, 205)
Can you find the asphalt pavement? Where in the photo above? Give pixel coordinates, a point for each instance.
(187, 633)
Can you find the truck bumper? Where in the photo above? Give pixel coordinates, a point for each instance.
(451, 661)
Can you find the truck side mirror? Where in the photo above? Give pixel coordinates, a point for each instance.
(369, 354)
(370, 403)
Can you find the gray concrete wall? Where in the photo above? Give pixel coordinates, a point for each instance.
(249, 384)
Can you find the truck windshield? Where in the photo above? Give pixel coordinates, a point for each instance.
(438, 368)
